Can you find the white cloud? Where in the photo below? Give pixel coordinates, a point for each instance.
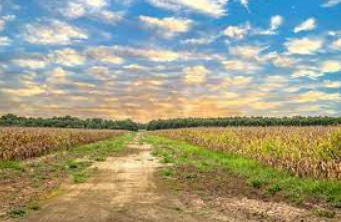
(195, 74)
(200, 41)
(240, 66)
(5, 41)
(309, 24)
(215, 8)
(94, 9)
(304, 46)
(53, 32)
(167, 27)
(67, 57)
(237, 32)
(4, 20)
(276, 22)
(331, 3)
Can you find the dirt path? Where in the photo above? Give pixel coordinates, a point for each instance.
(123, 190)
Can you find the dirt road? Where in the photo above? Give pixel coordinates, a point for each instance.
(124, 190)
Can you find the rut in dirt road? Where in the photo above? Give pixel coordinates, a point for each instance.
(123, 190)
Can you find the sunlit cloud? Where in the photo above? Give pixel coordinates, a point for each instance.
(167, 27)
(215, 8)
(237, 32)
(195, 75)
(331, 66)
(315, 96)
(304, 46)
(53, 32)
(308, 25)
(337, 44)
(67, 57)
(93, 9)
(241, 66)
(30, 63)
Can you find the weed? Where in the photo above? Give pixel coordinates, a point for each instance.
(324, 213)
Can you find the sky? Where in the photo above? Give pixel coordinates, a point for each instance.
(151, 59)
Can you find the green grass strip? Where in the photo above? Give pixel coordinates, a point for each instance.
(257, 175)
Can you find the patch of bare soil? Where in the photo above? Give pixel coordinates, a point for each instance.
(229, 198)
(19, 187)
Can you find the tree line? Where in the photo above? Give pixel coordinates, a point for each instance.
(98, 123)
(242, 121)
(68, 122)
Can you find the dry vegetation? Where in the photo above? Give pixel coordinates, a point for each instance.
(23, 143)
(305, 151)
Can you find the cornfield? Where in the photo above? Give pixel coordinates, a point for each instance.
(304, 151)
(23, 143)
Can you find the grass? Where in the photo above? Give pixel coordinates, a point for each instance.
(272, 181)
(73, 163)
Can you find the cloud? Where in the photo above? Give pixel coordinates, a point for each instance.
(331, 3)
(337, 44)
(156, 55)
(4, 20)
(104, 55)
(53, 32)
(167, 27)
(93, 9)
(5, 41)
(237, 32)
(2, 25)
(283, 61)
(304, 46)
(308, 25)
(315, 96)
(246, 51)
(237, 81)
(214, 8)
(275, 22)
(331, 66)
(307, 71)
(31, 63)
(200, 41)
(195, 74)
(331, 84)
(25, 92)
(57, 76)
(67, 57)
(240, 66)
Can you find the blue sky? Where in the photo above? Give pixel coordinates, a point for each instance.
(148, 59)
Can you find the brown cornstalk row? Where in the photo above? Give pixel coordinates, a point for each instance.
(304, 151)
(23, 143)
